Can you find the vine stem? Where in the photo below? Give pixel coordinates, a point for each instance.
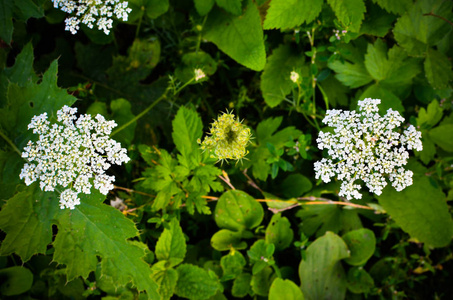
(440, 17)
(7, 139)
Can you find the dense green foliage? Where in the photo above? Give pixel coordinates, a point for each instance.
(180, 224)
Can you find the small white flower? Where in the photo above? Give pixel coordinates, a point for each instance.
(199, 74)
(364, 146)
(75, 153)
(294, 76)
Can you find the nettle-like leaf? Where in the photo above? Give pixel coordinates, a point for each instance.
(286, 14)
(196, 283)
(275, 80)
(349, 13)
(171, 245)
(94, 230)
(421, 210)
(438, 69)
(416, 29)
(240, 37)
(321, 273)
(187, 128)
(285, 289)
(166, 278)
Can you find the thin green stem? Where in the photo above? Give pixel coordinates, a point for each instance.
(277, 271)
(137, 31)
(10, 143)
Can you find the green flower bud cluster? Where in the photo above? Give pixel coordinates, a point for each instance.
(228, 138)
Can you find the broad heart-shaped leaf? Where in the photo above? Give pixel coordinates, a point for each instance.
(275, 80)
(443, 136)
(93, 230)
(279, 232)
(286, 14)
(171, 244)
(237, 211)
(187, 128)
(240, 37)
(27, 220)
(421, 210)
(361, 243)
(30, 100)
(350, 13)
(225, 239)
(203, 6)
(284, 289)
(321, 273)
(396, 7)
(15, 280)
(195, 282)
(438, 69)
(351, 75)
(166, 278)
(6, 20)
(416, 29)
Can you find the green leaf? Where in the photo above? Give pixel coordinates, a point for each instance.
(359, 281)
(187, 128)
(349, 13)
(15, 281)
(284, 289)
(415, 31)
(421, 211)
(396, 7)
(27, 220)
(275, 80)
(232, 264)
(231, 6)
(195, 60)
(195, 282)
(122, 113)
(28, 9)
(261, 281)
(376, 60)
(279, 232)
(22, 71)
(378, 22)
(203, 7)
(241, 285)
(171, 244)
(239, 37)
(351, 75)
(295, 185)
(166, 278)
(321, 273)
(443, 136)
(286, 14)
(361, 243)
(225, 239)
(388, 99)
(431, 115)
(238, 211)
(10, 166)
(156, 8)
(6, 20)
(94, 230)
(438, 69)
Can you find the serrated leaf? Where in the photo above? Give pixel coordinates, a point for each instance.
(187, 128)
(421, 211)
(6, 20)
(321, 273)
(22, 71)
(349, 13)
(396, 7)
(94, 230)
(166, 278)
(238, 211)
(27, 220)
(286, 14)
(285, 289)
(275, 80)
(15, 280)
(240, 37)
(232, 264)
(203, 7)
(430, 116)
(225, 239)
(279, 232)
(351, 75)
(195, 283)
(361, 243)
(241, 285)
(443, 136)
(415, 30)
(438, 69)
(231, 6)
(171, 243)
(378, 22)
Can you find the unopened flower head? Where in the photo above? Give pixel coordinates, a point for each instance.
(368, 147)
(92, 12)
(199, 74)
(72, 153)
(228, 138)
(294, 76)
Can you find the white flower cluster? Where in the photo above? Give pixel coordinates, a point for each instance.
(365, 146)
(73, 153)
(91, 12)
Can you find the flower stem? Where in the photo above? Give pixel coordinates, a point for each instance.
(3, 135)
